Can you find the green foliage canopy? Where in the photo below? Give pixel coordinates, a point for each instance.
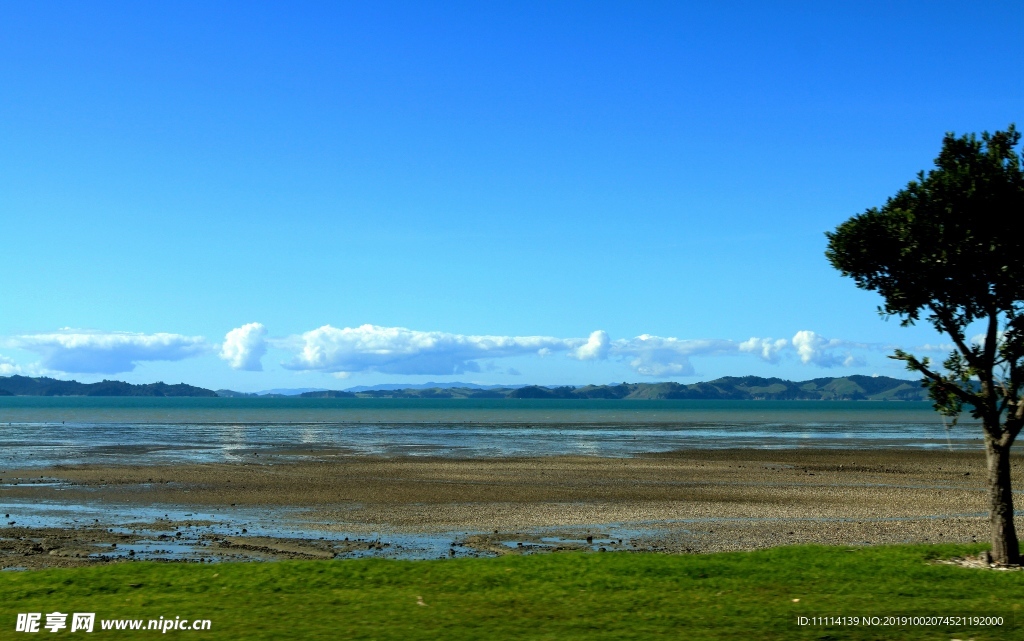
(947, 247)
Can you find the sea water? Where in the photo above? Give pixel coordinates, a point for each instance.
(46, 431)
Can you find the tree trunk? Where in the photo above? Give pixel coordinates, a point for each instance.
(1005, 548)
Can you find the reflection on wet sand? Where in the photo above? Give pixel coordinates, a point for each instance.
(46, 445)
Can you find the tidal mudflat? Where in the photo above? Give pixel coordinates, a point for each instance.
(88, 480)
(329, 504)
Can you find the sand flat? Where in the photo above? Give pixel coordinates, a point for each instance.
(696, 500)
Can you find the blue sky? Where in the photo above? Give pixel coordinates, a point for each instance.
(524, 193)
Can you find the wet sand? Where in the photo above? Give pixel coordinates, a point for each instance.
(688, 501)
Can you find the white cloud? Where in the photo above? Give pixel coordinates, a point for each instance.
(244, 346)
(659, 356)
(929, 347)
(397, 350)
(767, 348)
(817, 350)
(93, 352)
(8, 367)
(654, 365)
(656, 356)
(596, 347)
(979, 339)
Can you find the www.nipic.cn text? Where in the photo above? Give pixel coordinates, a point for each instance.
(86, 622)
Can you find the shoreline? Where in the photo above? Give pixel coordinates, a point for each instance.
(682, 501)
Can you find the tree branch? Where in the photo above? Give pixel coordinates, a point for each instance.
(985, 373)
(955, 334)
(1005, 402)
(938, 379)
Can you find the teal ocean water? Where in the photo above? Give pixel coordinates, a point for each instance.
(43, 431)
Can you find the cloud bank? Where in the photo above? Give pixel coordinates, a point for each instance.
(397, 350)
(403, 351)
(92, 352)
(244, 346)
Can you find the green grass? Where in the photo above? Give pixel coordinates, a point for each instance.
(556, 596)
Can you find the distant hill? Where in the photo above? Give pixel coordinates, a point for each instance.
(422, 386)
(270, 393)
(327, 394)
(433, 392)
(43, 386)
(289, 391)
(386, 390)
(745, 388)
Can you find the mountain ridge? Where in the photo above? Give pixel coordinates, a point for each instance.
(844, 388)
(44, 386)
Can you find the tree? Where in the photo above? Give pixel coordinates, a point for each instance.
(947, 247)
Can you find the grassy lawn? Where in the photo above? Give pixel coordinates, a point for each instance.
(555, 596)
